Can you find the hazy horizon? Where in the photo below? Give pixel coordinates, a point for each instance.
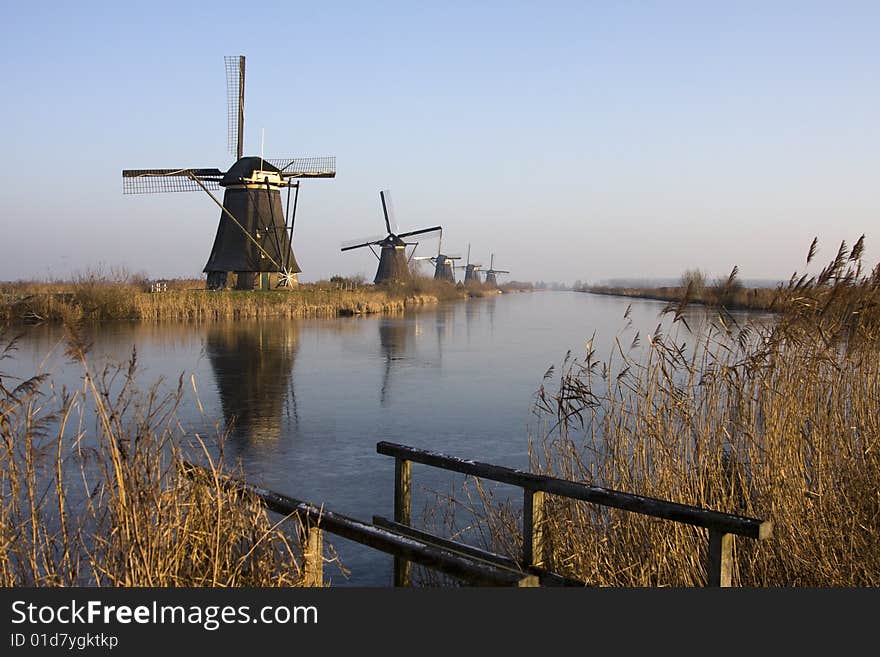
(576, 141)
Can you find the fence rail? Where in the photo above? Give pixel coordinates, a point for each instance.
(722, 527)
(424, 550)
(409, 545)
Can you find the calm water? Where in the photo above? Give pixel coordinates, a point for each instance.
(309, 399)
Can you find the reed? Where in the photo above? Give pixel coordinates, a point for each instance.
(94, 493)
(775, 420)
(102, 299)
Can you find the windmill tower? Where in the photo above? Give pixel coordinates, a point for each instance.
(471, 270)
(253, 238)
(491, 279)
(443, 264)
(393, 262)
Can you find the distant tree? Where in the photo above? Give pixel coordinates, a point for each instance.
(726, 291)
(695, 279)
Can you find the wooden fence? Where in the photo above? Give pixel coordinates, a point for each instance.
(409, 545)
(722, 527)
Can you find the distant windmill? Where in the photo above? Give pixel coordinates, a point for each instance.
(471, 270)
(491, 279)
(393, 262)
(254, 234)
(443, 264)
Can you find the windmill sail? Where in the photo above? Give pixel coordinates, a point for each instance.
(153, 181)
(305, 167)
(235, 105)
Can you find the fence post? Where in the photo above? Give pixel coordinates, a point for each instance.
(720, 561)
(533, 528)
(313, 555)
(402, 511)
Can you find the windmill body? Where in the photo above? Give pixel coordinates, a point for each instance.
(443, 269)
(444, 265)
(471, 270)
(393, 261)
(253, 198)
(393, 265)
(491, 273)
(471, 274)
(254, 234)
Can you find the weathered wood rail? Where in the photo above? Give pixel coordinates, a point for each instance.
(722, 527)
(448, 557)
(409, 545)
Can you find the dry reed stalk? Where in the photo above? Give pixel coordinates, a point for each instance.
(109, 505)
(770, 420)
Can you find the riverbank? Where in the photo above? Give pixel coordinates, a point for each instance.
(760, 299)
(102, 299)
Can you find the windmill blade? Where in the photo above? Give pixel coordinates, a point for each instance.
(388, 210)
(423, 231)
(154, 181)
(356, 244)
(499, 271)
(373, 239)
(305, 167)
(235, 104)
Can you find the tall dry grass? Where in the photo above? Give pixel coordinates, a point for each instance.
(94, 494)
(777, 421)
(103, 298)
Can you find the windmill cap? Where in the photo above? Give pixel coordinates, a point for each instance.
(245, 168)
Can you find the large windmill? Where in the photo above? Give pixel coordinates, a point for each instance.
(253, 238)
(491, 279)
(393, 261)
(471, 270)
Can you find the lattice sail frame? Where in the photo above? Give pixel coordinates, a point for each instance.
(234, 103)
(156, 181)
(305, 167)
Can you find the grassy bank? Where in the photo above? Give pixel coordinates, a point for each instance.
(761, 299)
(108, 297)
(102, 299)
(778, 422)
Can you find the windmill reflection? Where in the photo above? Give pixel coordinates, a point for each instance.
(394, 336)
(253, 370)
(444, 322)
(490, 311)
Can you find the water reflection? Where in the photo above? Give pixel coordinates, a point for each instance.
(308, 400)
(394, 335)
(253, 372)
(490, 311)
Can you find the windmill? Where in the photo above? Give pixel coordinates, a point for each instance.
(443, 264)
(491, 280)
(253, 238)
(393, 262)
(471, 270)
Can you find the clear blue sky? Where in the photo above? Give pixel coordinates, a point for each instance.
(582, 140)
